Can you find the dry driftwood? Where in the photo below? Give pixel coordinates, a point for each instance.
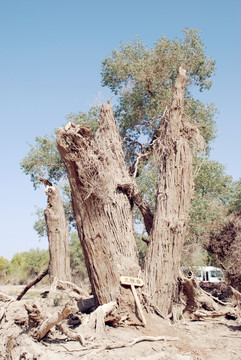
(55, 319)
(237, 296)
(35, 313)
(5, 298)
(33, 282)
(200, 305)
(67, 285)
(196, 297)
(72, 335)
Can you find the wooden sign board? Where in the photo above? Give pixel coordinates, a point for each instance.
(126, 280)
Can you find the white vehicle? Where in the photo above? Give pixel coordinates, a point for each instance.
(208, 274)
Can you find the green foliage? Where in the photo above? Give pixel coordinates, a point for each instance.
(28, 264)
(89, 119)
(146, 180)
(43, 158)
(4, 265)
(235, 201)
(211, 180)
(77, 261)
(208, 211)
(212, 194)
(203, 115)
(143, 79)
(40, 224)
(141, 247)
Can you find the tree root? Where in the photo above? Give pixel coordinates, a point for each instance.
(94, 324)
(92, 350)
(201, 305)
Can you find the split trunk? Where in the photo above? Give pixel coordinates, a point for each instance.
(103, 193)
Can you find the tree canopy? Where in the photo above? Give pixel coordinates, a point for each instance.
(143, 79)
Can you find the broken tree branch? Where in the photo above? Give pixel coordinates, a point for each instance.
(33, 282)
(132, 191)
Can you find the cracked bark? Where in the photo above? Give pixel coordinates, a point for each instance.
(173, 195)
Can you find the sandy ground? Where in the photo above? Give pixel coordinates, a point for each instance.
(184, 340)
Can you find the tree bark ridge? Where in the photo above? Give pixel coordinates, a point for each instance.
(174, 190)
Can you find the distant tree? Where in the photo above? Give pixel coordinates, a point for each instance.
(77, 260)
(26, 265)
(43, 159)
(209, 208)
(58, 234)
(4, 265)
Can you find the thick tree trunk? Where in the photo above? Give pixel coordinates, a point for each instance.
(58, 236)
(173, 195)
(96, 170)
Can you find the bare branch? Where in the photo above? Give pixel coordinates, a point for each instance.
(33, 282)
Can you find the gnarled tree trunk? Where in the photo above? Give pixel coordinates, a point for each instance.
(58, 236)
(173, 195)
(96, 170)
(102, 193)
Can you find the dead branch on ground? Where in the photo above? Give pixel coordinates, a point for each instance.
(33, 282)
(69, 286)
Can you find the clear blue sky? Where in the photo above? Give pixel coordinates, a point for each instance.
(50, 61)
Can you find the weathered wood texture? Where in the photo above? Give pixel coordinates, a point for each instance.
(174, 190)
(96, 170)
(58, 236)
